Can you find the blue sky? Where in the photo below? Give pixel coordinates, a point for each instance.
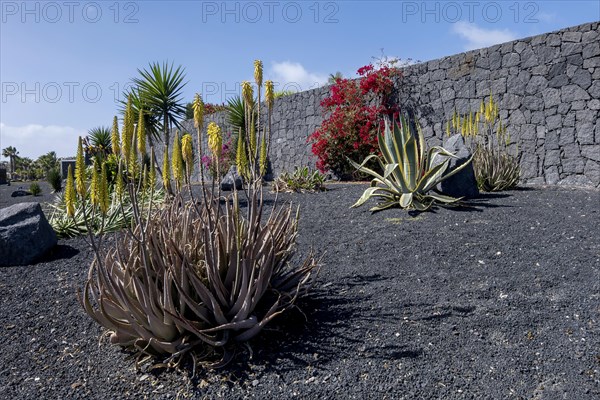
(63, 64)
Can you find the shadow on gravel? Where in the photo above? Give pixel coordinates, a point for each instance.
(59, 252)
(328, 328)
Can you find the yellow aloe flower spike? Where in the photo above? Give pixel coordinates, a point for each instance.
(177, 160)
(127, 133)
(80, 170)
(247, 92)
(104, 202)
(70, 193)
(141, 133)
(241, 158)
(119, 186)
(263, 157)
(115, 137)
(166, 176)
(269, 94)
(198, 107)
(133, 160)
(152, 173)
(258, 72)
(482, 107)
(187, 152)
(448, 128)
(215, 139)
(94, 186)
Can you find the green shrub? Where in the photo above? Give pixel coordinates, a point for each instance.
(410, 172)
(301, 180)
(54, 179)
(35, 189)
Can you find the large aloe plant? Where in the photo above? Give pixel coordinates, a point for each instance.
(411, 173)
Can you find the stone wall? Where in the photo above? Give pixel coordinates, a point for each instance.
(548, 88)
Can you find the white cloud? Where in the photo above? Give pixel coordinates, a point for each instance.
(34, 140)
(293, 76)
(478, 37)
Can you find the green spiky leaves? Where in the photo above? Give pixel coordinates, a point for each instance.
(410, 173)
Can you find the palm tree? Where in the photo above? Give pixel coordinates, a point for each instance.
(151, 121)
(98, 142)
(11, 152)
(47, 161)
(334, 77)
(160, 88)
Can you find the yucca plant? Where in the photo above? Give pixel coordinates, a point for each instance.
(411, 173)
(495, 168)
(301, 180)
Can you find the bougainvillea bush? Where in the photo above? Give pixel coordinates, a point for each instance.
(354, 112)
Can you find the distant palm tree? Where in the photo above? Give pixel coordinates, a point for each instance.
(47, 161)
(334, 77)
(98, 142)
(11, 152)
(160, 89)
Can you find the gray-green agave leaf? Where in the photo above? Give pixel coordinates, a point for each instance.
(410, 172)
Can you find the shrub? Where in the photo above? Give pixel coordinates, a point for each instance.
(301, 180)
(410, 172)
(54, 179)
(495, 168)
(35, 189)
(354, 112)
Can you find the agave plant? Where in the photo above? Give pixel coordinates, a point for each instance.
(411, 173)
(301, 180)
(88, 218)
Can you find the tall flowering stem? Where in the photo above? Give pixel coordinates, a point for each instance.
(80, 170)
(187, 154)
(198, 107)
(115, 137)
(141, 133)
(177, 161)
(70, 195)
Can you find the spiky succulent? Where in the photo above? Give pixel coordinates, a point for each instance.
(411, 173)
(218, 284)
(301, 180)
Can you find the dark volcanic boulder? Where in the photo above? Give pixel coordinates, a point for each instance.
(232, 178)
(20, 193)
(462, 184)
(25, 234)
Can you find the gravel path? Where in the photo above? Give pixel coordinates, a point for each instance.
(500, 301)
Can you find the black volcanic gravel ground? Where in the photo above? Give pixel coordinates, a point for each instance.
(501, 301)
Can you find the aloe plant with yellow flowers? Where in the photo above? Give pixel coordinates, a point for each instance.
(495, 167)
(198, 277)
